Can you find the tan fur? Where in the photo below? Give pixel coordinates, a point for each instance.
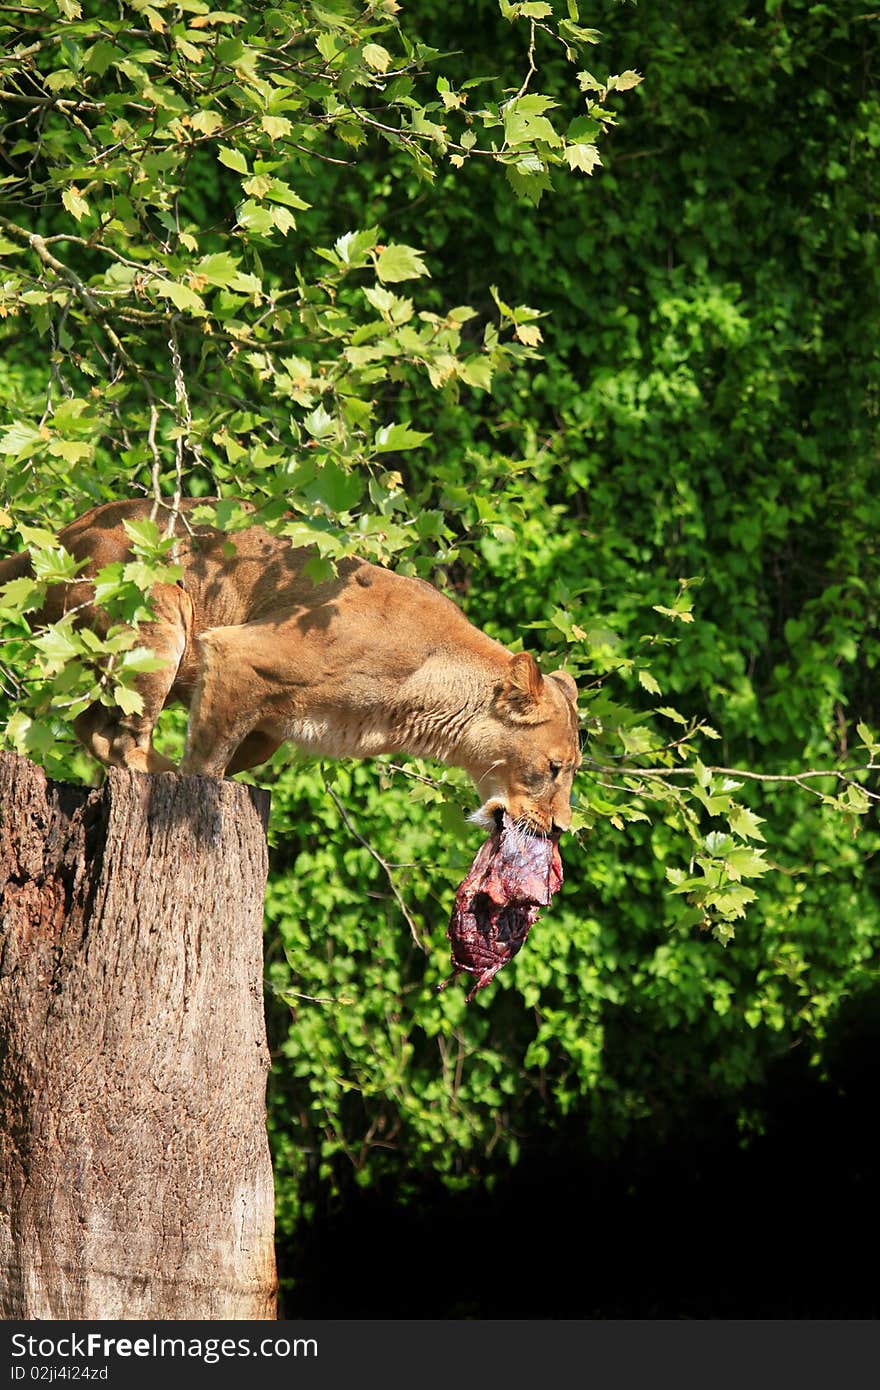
(370, 662)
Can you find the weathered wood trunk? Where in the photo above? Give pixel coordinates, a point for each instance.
(135, 1179)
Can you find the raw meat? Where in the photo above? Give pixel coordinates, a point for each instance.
(514, 874)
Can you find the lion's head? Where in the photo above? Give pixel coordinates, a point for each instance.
(529, 748)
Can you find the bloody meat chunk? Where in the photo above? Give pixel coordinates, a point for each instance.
(513, 875)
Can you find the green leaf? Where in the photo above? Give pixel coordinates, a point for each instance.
(376, 57)
(140, 659)
(523, 127)
(319, 569)
(221, 268)
(328, 45)
(256, 218)
(399, 262)
(672, 714)
(398, 437)
(718, 844)
(31, 737)
(383, 300)
(181, 296)
(528, 333)
(232, 158)
(100, 56)
(144, 533)
(352, 248)
(746, 863)
(54, 564)
(583, 130)
(528, 180)
(144, 575)
(583, 157)
(36, 536)
(702, 774)
(146, 538)
(21, 438)
(337, 490)
(75, 203)
(856, 799)
(624, 81)
(73, 450)
(206, 122)
(283, 219)
(280, 192)
(576, 31)
(61, 78)
(58, 644)
(731, 900)
(746, 824)
(477, 372)
(276, 127)
(680, 614)
(637, 739)
(22, 595)
(129, 701)
(319, 423)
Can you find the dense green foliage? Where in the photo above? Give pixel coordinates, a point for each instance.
(678, 498)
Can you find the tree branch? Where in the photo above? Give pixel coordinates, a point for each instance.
(379, 860)
(64, 272)
(840, 773)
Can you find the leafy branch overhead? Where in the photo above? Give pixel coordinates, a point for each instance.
(275, 364)
(234, 353)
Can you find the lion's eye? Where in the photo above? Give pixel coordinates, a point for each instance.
(555, 769)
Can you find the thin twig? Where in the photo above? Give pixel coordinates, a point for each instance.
(65, 272)
(380, 861)
(532, 69)
(181, 397)
(416, 776)
(840, 773)
(282, 991)
(155, 471)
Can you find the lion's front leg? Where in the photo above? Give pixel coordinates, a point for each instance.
(254, 749)
(231, 699)
(118, 739)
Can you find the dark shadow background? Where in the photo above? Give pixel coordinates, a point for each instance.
(707, 1225)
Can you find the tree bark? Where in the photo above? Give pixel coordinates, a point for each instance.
(135, 1179)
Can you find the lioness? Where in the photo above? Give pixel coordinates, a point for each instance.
(369, 662)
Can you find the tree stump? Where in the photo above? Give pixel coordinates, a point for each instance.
(135, 1178)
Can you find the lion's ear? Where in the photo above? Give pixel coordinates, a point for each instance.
(524, 675)
(566, 684)
(521, 687)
